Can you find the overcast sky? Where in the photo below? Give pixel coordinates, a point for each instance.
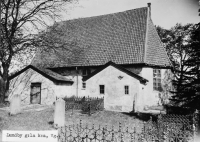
(165, 13)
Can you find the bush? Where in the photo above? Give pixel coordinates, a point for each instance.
(178, 110)
(86, 104)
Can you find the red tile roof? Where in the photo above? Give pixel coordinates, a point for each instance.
(127, 37)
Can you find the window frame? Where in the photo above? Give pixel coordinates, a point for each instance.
(85, 72)
(100, 89)
(35, 84)
(126, 90)
(157, 80)
(83, 85)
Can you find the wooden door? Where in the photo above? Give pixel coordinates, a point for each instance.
(35, 93)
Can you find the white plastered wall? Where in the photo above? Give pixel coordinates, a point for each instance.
(21, 84)
(148, 96)
(115, 98)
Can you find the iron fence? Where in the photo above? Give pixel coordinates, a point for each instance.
(176, 128)
(166, 129)
(88, 105)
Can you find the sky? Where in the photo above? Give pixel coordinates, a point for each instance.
(165, 13)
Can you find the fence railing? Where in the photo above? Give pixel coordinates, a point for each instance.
(162, 130)
(176, 128)
(88, 105)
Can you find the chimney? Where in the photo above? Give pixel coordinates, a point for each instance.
(149, 9)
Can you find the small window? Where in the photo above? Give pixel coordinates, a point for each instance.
(84, 85)
(102, 89)
(157, 79)
(85, 73)
(126, 89)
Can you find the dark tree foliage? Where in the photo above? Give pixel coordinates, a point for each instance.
(182, 45)
(190, 94)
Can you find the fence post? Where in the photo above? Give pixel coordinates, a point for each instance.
(113, 134)
(72, 108)
(103, 103)
(159, 122)
(196, 125)
(103, 134)
(144, 131)
(89, 108)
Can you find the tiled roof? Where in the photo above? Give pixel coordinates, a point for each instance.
(127, 37)
(155, 52)
(45, 72)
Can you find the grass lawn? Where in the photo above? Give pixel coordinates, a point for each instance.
(26, 121)
(102, 118)
(42, 120)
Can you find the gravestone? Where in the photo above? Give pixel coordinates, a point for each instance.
(15, 104)
(59, 113)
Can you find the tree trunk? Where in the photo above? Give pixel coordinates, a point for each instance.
(4, 82)
(2, 90)
(0, 13)
(1, 79)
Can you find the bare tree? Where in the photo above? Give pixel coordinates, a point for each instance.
(18, 19)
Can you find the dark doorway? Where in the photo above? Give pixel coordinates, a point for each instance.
(35, 93)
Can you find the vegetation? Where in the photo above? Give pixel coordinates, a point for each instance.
(190, 94)
(182, 43)
(43, 120)
(18, 21)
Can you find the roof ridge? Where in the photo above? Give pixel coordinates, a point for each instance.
(162, 44)
(97, 16)
(155, 52)
(42, 71)
(146, 34)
